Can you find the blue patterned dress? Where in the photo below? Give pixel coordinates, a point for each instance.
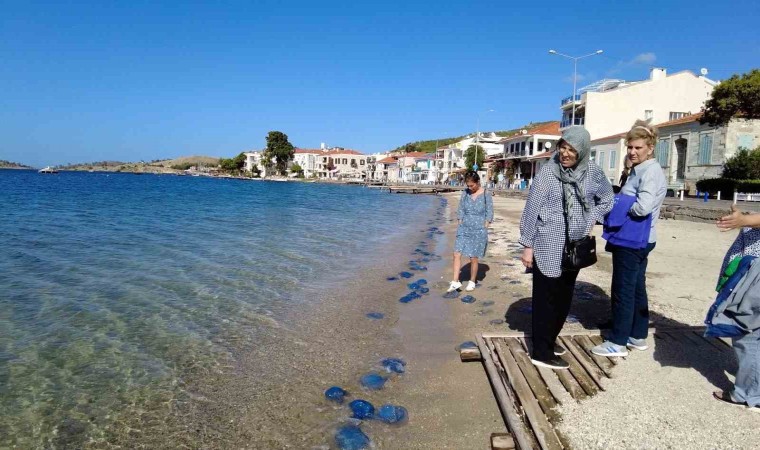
(472, 235)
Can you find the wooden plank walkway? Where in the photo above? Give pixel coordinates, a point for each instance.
(528, 395)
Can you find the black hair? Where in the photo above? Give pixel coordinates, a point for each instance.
(471, 175)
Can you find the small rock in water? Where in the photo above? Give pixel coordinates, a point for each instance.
(392, 414)
(496, 321)
(375, 315)
(373, 381)
(452, 294)
(485, 312)
(351, 437)
(488, 303)
(394, 365)
(468, 299)
(335, 394)
(515, 282)
(467, 344)
(362, 409)
(406, 275)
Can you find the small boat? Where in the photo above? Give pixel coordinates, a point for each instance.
(48, 169)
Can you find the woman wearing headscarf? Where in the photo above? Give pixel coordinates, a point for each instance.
(568, 185)
(630, 304)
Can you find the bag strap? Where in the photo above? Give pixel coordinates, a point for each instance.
(564, 214)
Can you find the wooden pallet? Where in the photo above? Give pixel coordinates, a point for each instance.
(528, 395)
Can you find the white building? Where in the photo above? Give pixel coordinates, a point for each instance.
(687, 150)
(341, 163)
(308, 160)
(255, 159)
(610, 106)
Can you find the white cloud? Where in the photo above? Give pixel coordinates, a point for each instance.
(643, 58)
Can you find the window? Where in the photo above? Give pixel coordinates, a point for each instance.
(600, 162)
(745, 141)
(705, 148)
(345, 160)
(677, 115)
(661, 152)
(361, 162)
(648, 114)
(613, 159)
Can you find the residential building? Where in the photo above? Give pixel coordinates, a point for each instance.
(255, 159)
(450, 161)
(687, 150)
(308, 159)
(341, 163)
(610, 106)
(524, 153)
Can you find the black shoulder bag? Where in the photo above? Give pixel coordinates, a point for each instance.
(577, 254)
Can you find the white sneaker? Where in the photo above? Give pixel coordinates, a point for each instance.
(470, 286)
(454, 286)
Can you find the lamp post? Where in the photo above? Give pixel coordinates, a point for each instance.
(575, 72)
(477, 139)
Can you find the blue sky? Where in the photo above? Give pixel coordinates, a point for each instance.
(142, 80)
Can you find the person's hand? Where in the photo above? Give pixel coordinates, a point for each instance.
(731, 221)
(527, 257)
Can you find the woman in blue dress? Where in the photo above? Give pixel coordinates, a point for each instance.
(475, 213)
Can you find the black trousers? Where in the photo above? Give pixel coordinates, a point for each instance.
(551, 304)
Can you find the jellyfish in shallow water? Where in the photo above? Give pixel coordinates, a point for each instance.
(488, 303)
(413, 286)
(406, 275)
(452, 294)
(351, 437)
(394, 365)
(496, 321)
(361, 409)
(373, 381)
(392, 414)
(422, 282)
(375, 315)
(392, 278)
(466, 344)
(468, 299)
(424, 290)
(335, 394)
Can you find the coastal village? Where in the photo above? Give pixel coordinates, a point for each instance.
(687, 150)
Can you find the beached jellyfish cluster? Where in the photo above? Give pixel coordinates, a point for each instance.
(350, 436)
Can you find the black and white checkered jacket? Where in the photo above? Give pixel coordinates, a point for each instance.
(542, 225)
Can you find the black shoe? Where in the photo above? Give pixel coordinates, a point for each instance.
(559, 350)
(555, 363)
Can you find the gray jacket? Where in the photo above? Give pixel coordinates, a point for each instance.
(742, 307)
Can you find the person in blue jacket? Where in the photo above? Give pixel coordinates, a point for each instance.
(630, 304)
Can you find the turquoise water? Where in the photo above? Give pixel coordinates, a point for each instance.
(116, 288)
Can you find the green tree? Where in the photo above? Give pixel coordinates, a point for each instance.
(737, 96)
(744, 165)
(239, 161)
(469, 157)
(279, 149)
(227, 164)
(297, 169)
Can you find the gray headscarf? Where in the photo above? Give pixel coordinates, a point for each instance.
(573, 178)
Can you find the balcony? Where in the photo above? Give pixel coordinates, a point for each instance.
(567, 121)
(569, 99)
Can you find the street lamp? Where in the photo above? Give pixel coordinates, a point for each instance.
(477, 139)
(575, 72)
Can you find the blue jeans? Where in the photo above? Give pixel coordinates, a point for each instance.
(630, 304)
(747, 385)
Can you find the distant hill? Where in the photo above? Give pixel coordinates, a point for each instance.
(428, 146)
(155, 166)
(12, 165)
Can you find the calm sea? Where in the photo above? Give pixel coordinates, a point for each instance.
(113, 286)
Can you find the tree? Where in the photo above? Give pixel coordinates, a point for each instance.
(469, 157)
(744, 165)
(297, 169)
(279, 149)
(737, 96)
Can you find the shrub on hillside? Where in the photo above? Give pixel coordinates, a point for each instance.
(743, 165)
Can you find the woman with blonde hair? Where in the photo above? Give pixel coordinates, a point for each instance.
(630, 304)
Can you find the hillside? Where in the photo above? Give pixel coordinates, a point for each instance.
(155, 166)
(12, 165)
(428, 146)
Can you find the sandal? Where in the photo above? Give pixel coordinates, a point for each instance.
(726, 398)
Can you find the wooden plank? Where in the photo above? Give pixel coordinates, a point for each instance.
(591, 368)
(537, 385)
(469, 354)
(601, 361)
(597, 340)
(580, 375)
(502, 334)
(542, 429)
(502, 441)
(505, 397)
(564, 377)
